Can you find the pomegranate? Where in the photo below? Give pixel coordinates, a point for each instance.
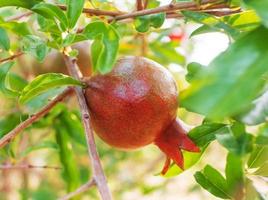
(135, 105)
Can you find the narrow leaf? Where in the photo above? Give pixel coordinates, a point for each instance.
(74, 10)
(45, 82)
(4, 87)
(51, 11)
(211, 180)
(4, 40)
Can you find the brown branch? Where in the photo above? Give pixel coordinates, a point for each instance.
(12, 134)
(95, 11)
(27, 166)
(170, 7)
(17, 17)
(98, 173)
(12, 57)
(80, 190)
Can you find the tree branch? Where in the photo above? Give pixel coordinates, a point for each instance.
(98, 174)
(11, 57)
(12, 134)
(17, 17)
(80, 190)
(166, 8)
(95, 11)
(27, 166)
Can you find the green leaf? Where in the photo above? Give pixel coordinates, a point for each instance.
(106, 47)
(51, 11)
(192, 68)
(74, 10)
(232, 80)
(243, 21)
(42, 145)
(190, 159)
(16, 82)
(212, 22)
(258, 157)
(262, 170)
(38, 102)
(19, 3)
(211, 180)
(234, 173)
(67, 156)
(258, 112)
(45, 82)
(9, 122)
(206, 133)
(165, 53)
(143, 23)
(262, 137)
(261, 7)
(236, 141)
(72, 121)
(4, 86)
(35, 46)
(4, 40)
(18, 28)
(97, 49)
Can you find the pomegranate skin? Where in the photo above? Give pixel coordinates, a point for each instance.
(133, 104)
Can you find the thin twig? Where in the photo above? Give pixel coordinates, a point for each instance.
(17, 17)
(95, 11)
(80, 190)
(12, 57)
(98, 173)
(217, 13)
(27, 166)
(166, 8)
(13, 133)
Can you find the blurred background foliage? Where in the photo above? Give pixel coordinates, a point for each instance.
(225, 99)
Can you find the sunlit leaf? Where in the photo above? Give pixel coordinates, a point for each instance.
(230, 83)
(19, 28)
(211, 180)
(4, 40)
(260, 7)
(51, 11)
(212, 22)
(74, 10)
(46, 82)
(258, 157)
(19, 3)
(4, 86)
(106, 47)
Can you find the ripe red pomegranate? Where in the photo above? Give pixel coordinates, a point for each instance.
(135, 105)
